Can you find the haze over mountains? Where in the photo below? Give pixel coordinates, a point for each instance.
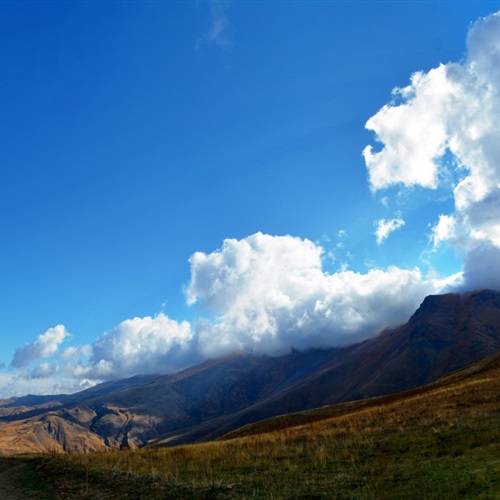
(446, 333)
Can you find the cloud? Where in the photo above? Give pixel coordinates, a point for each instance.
(270, 295)
(413, 133)
(262, 294)
(444, 230)
(218, 33)
(384, 227)
(481, 268)
(142, 345)
(19, 384)
(43, 370)
(452, 111)
(45, 345)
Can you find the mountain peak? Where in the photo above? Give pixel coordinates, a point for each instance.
(435, 303)
(450, 302)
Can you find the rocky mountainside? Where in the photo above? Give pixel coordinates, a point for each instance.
(448, 332)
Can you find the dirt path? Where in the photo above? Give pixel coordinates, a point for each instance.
(9, 470)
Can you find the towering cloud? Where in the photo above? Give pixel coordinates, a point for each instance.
(451, 110)
(269, 294)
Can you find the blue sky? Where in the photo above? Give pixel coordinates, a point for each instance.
(135, 134)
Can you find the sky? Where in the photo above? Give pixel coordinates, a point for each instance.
(183, 180)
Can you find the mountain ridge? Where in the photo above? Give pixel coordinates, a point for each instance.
(446, 333)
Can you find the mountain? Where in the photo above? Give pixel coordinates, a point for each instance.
(477, 386)
(447, 333)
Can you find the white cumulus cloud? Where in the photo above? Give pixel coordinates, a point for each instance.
(444, 230)
(450, 110)
(142, 345)
(45, 345)
(384, 227)
(414, 134)
(269, 294)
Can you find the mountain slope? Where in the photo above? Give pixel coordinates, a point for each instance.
(448, 332)
(472, 387)
(437, 441)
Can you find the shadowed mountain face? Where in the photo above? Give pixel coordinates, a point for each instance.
(448, 332)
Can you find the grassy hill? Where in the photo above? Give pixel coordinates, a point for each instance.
(438, 441)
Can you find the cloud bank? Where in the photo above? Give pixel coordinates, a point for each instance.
(263, 294)
(270, 294)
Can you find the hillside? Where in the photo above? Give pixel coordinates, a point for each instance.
(438, 441)
(476, 387)
(447, 333)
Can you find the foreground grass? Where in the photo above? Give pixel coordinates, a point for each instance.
(442, 442)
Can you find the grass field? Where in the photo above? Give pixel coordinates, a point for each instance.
(442, 441)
